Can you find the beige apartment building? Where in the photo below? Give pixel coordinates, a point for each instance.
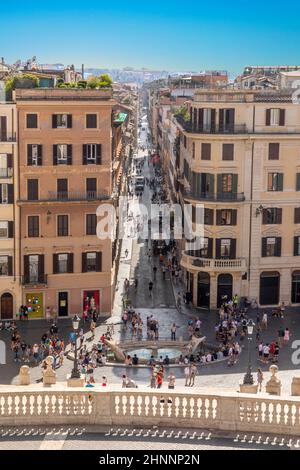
(239, 156)
(65, 155)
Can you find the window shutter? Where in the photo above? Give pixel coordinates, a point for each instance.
(233, 248)
(219, 184)
(99, 261)
(10, 192)
(278, 246)
(221, 119)
(210, 216)
(228, 150)
(268, 117)
(265, 216)
(233, 216)
(29, 154)
(296, 244)
(218, 248)
(40, 155)
(83, 263)
(273, 151)
(264, 247)
(10, 265)
(10, 229)
(3, 128)
(9, 160)
(213, 120)
(297, 181)
(69, 150)
(41, 267)
(210, 248)
(297, 215)
(98, 149)
(219, 216)
(282, 117)
(234, 183)
(54, 121)
(0, 193)
(70, 262)
(84, 154)
(69, 121)
(279, 215)
(280, 182)
(54, 154)
(26, 266)
(200, 119)
(55, 263)
(205, 152)
(231, 115)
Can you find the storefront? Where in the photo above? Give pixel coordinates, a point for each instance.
(203, 298)
(35, 304)
(269, 288)
(295, 287)
(91, 301)
(225, 282)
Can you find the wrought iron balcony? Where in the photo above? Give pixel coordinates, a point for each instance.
(40, 279)
(214, 197)
(6, 172)
(7, 136)
(69, 196)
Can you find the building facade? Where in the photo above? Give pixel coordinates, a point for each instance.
(65, 155)
(10, 290)
(239, 157)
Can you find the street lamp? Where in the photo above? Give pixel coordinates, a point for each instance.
(75, 374)
(248, 379)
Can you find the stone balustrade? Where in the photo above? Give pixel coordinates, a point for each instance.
(35, 405)
(208, 264)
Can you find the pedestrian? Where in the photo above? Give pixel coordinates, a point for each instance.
(104, 381)
(281, 334)
(154, 272)
(193, 372)
(282, 309)
(48, 314)
(92, 329)
(136, 282)
(260, 378)
(159, 379)
(171, 380)
(178, 302)
(173, 332)
(266, 352)
(264, 321)
(153, 379)
(126, 253)
(164, 272)
(286, 337)
(150, 288)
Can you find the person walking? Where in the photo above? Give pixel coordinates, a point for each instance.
(126, 253)
(164, 272)
(154, 272)
(286, 337)
(260, 378)
(92, 329)
(173, 332)
(193, 372)
(136, 282)
(150, 286)
(264, 322)
(171, 380)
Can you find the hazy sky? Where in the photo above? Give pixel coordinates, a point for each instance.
(172, 35)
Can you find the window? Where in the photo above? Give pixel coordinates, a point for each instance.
(31, 121)
(275, 181)
(297, 246)
(226, 216)
(208, 216)
(193, 150)
(275, 117)
(296, 287)
(32, 190)
(4, 266)
(91, 121)
(91, 224)
(297, 181)
(34, 154)
(226, 120)
(274, 151)
(4, 193)
(33, 226)
(91, 154)
(226, 183)
(61, 121)
(62, 225)
(205, 151)
(225, 248)
(62, 263)
(204, 248)
(91, 188)
(228, 152)
(271, 246)
(62, 188)
(272, 215)
(91, 262)
(33, 268)
(3, 229)
(297, 215)
(6, 165)
(62, 154)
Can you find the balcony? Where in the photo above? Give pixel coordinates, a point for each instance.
(34, 281)
(214, 197)
(216, 129)
(8, 137)
(220, 265)
(70, 196)
(6, 172)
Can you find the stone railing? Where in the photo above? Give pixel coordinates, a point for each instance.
(192, 262)
(141, 407)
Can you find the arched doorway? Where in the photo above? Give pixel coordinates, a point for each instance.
(224, 288)
(203, 290)
(7, 306)
(295, 298)
(269, 288)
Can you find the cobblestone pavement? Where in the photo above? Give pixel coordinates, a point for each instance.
(88, 438)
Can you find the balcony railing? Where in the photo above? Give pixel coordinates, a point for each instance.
(6, 172)
(70, 196)
(7, 136)
(212, 129)
(215, 197)
(40, 279)
(190, 261)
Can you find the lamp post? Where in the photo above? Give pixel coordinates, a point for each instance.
(248, 379)
(75, 374)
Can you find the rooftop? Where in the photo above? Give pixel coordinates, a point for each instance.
(64, 94)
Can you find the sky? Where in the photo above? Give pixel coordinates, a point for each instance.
(163, 35)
